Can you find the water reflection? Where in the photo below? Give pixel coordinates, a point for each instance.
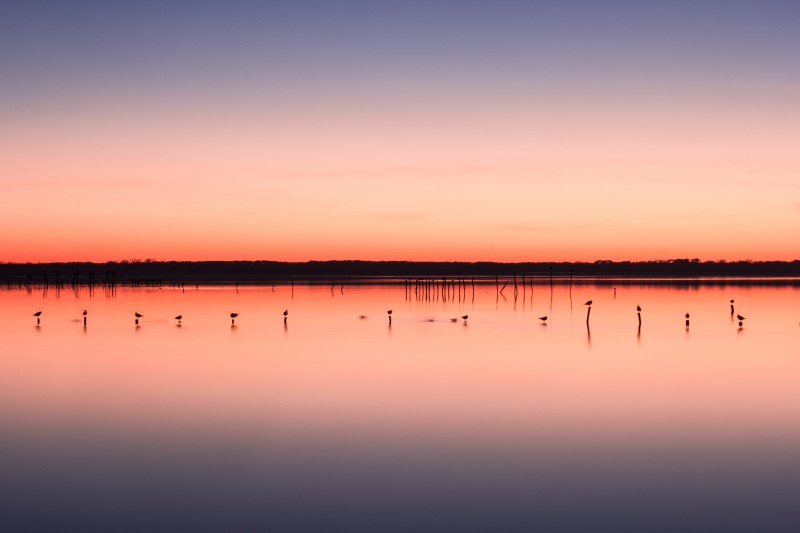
(588, 333)
(494, 417)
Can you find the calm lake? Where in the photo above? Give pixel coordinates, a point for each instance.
(339, 420)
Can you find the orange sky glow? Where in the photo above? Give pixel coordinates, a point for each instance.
(628, 162)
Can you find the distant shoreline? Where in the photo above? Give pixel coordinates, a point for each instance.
(677, 271)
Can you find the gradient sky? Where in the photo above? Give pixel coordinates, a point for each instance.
(438, 130)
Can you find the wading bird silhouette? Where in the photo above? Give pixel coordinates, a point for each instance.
(138, 316)
(37, 314)
(84, 317)
(285, 316)
(389, 313)
(543, 319)
(233, 317)
(740, 317)
(179, 318)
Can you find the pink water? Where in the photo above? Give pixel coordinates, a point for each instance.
(437, 422)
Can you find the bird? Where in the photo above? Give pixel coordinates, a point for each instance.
(740, 317)
(286, 312)
(638, 308)
(588, 303)
(543, 318)
(84, 318)
(138, 315)
(84, 312)
(37, 314)
(285, 316)
(465, 317)
(179, 318)
(389, 313)
(233, 317)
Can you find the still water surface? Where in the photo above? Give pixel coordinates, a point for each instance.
(337, 422)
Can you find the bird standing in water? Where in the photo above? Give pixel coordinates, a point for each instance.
(37, 314)
(389, 313)
(138, 316)
(179, 318)
(84, 317)
(543, 319)
(233, 317)
(740, 317)
(285, 316)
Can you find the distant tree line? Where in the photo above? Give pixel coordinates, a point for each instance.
(277, 271)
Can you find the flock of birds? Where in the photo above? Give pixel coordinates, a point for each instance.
(639, 314)
(233, 316)
(137, 315)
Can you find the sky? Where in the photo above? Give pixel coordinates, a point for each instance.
(431, 131)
